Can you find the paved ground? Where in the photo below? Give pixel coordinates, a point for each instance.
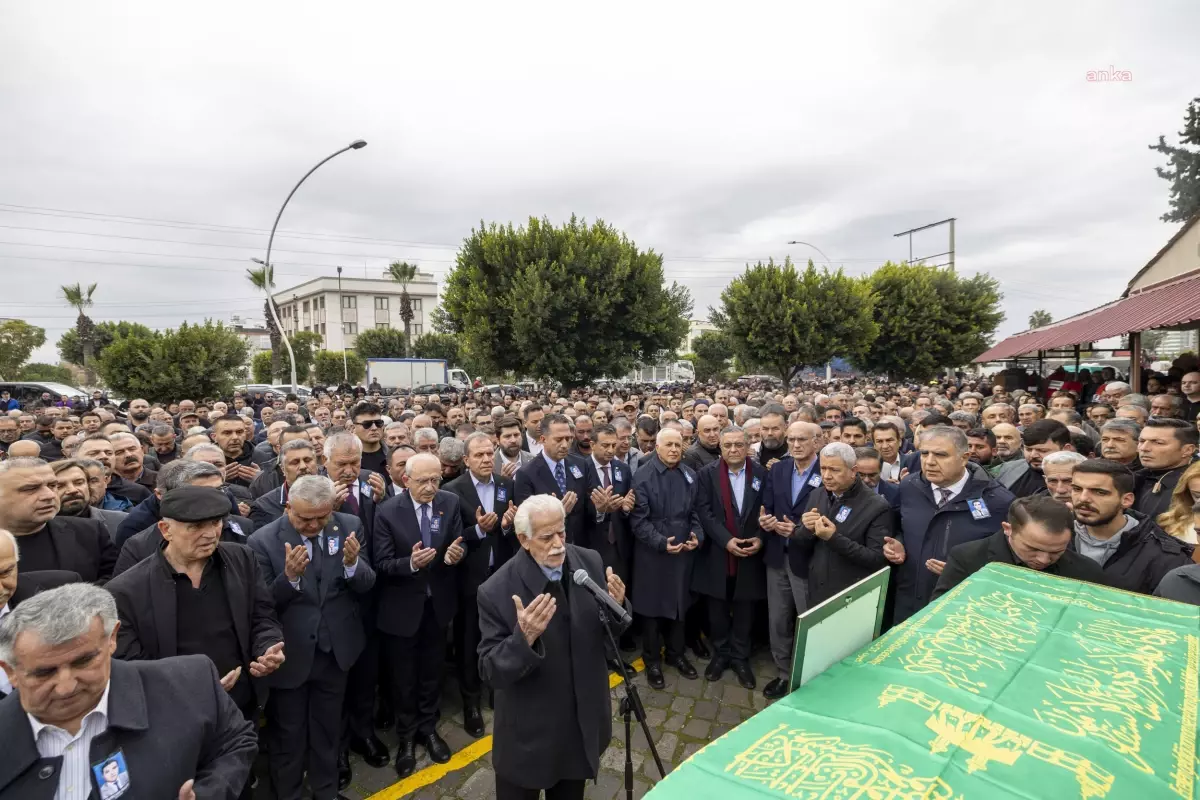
(683, 717)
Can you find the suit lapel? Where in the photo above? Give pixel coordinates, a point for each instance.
(289, 536)
(237, 600)
(162, 600)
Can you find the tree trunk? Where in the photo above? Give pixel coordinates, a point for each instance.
(406, 316)
(85, 331)
(276, 340)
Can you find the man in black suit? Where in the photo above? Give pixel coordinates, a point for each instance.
(28, 505)
(558, 473)
(299, 458)
(129, 461)
(542, 649)
(199, 595)
(358, 491)
(486, 505)
(310, 559)
(606, 521)
(418, 544)
(729, 569)
(1037, 536)
(177, 732)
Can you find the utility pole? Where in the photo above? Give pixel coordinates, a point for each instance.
(342, 322)
(949, 252)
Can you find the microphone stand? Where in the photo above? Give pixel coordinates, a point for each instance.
(631, 706)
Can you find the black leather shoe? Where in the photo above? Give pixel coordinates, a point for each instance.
(745, 675)
(716, 668)
(439, 751)
(775, 689)
(406, 758)
(373, 751)
(344, 772)
(701, 649)
(615, 667)
(384, 718)
(684, 666)
(473, 721)
(655, 677)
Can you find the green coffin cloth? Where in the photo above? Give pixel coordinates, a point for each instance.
(1014, 685)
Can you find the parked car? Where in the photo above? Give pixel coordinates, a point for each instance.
(285, 389)
(30, 393)
(434, 388)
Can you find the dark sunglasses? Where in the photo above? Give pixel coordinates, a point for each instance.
(371, 423)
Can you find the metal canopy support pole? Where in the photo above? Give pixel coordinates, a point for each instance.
(1135, 360)
(1077, 362)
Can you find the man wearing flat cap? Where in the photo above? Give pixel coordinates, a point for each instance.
(200, 595)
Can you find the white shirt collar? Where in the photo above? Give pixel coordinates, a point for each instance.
(954, 488)
(550, 462)
(478, 483)
(100, 710)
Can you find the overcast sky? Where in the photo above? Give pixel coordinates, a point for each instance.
(712, 133)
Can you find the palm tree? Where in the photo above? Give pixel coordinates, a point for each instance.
(402, 272)
(81, 299)
(263, 279)
(1040, 318)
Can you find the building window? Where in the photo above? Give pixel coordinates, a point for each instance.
(381, 304)
(322, 329)
(415, 304)
(382, 326)
(321, 300)
(349, 301)
(305, 306)
(350, 327)
(415, 328)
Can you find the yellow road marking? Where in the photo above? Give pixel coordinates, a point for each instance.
(472, 752)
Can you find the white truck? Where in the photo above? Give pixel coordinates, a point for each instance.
(665, 372)
(408, 373)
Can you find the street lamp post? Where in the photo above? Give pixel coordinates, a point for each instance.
(829, 261)
(342, 321)
(357, 144)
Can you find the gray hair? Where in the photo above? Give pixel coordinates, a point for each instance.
(315, 490)
(451, 450)
(57, 616)
(26, 462)
(1134, 400)
(965, 416)
(1064, 457)
(391, 426)
(424, 434)
(161, 430)
(955, 436)
(1033, 406)
(300, 444)
(203, 448)
(342, 440)
(475, 437)
(971, 395)
(622, 424)
(683, 424)
(1123, 425)
(841, 451)
(732, 429)
(89, 463)
(13, 541)
(182, 473)
(537, 504)
(1117, 386)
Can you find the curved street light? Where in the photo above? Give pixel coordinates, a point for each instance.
(828, 260)
(357, 144)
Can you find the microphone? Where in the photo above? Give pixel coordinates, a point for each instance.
(581, 578)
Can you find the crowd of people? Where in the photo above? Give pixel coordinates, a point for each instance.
(335, 558)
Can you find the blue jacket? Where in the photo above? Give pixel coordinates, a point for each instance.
(777, 499)
(929, 532)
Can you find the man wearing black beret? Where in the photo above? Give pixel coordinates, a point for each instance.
(200, 595)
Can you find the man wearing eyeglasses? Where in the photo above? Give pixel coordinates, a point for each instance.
(367, 422)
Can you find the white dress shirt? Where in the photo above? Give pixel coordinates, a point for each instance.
(75, 775)
(954, 488)
(737, 487)
(889, 472)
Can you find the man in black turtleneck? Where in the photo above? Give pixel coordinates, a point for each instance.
(1166, 448)
(774, 435)
(707, 448)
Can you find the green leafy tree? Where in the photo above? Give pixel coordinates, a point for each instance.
(440, 322)
(305, 346)
(1183, 167)
(774, 315)
(1040, 318)
(193, 361)
(46, 372)
(574, 303)
(70, 348)
(438, 345)
(403, 273)
(381, 343)
(327, 367)
(18, 339)
(1152, 341)
(260, 367)
(80, 299)
(929, 319)
(263, 279)
(713, 353)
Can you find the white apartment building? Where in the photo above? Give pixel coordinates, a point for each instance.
(362, 303)
(695, 328)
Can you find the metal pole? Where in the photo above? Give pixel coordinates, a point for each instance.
(1135, 360)
(357, 144)
(342, 320)
(951, 244)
